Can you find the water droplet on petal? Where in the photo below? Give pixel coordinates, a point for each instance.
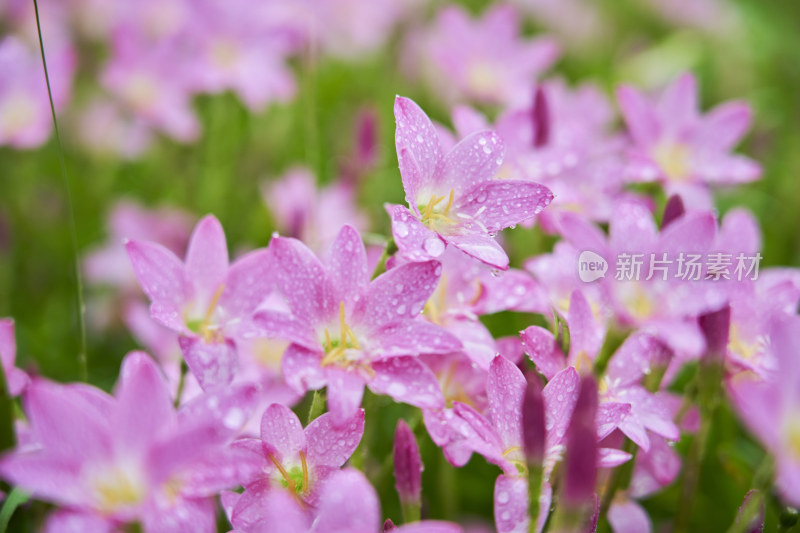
(434, 246)
(400, 229)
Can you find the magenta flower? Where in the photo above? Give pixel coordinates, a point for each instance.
(206, 300)
(483, 60)
(348, 331)
(454, 198)
(130, 457)
(290, 460)
(675, 145)
(770, 408)
(407, 467)
(16, 380)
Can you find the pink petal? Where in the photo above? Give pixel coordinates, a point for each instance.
(345, 391)
(628, 516)
(581, 233)
(413, 239)
(500, 204)
(413, 337)
(186, 515)
(207, 258)
(248, 283)
(632, 229)
(473, 161)
(212, 363)
(281, 433)
(511, 504)
(540, 345)
(67, 521)
(724, 126)
(301, 278)
(332, 445)
(400, 293)
(639, 115)
(611, 457)
(301, 369)
(348, 504)
(407, 380)
(429, 526)
(609, 416)
(560, 395)
(51, 478)
(482, 247)
(258, 506)
(416, 134)
(346, 264)
(163, 279)
(482, 436)
(65, 423)
(279, 325)
(586, 335)
(505, 389)
(144, 402)
(678, 103)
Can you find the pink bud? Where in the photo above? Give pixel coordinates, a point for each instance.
(716, 327)
(533, 420)
(580, 462)
(672, 211)
(407, 465)
(388, 526)
(541, 119)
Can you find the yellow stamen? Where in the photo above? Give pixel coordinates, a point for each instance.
(305, 471)
(283, 472)
(205, 325)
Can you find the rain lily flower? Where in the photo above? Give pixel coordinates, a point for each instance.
(482, 60)
(347, 331)
(25, 120)
(770, 408)
(677, 146)
(290, 460)
(204, 299)
(129, 458)
(454, 198)
(16, 380)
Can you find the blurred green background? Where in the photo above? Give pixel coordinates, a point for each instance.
(223, 172)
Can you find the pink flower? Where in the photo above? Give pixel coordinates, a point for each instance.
(483, 60)
(454, 198)
(407, 466)
(348, 331)
(771, 409)
(16, 380)
(288, 460)
(206, 300)
(130, 457)
(675, 145)
(25, 119)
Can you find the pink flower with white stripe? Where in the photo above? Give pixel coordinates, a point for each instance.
(455, 198)
(348, 331)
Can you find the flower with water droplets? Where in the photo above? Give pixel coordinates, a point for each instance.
(206, 300)
(455, 198)
(347, 331)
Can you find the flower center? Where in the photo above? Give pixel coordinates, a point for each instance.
(296, 478)
(345, 350)
(433, 216)
(792, 436)
(206, 327)
(673, 158)
(116, 488)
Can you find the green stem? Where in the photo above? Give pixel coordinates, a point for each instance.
(380, 268)
(317, 406)
(16, 498)
(82, 362)
(535, 475)
(411, 512)
(181, 383)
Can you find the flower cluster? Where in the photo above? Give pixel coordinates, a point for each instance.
(578, 413)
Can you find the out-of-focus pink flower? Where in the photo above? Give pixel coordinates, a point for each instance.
(577, 22)
(104, 128)
(130, 457)
(207, 301)
(482, 60)
(677, 146)
(407, 465)
(771, 408)
(454, 198)
(25, 118)
(310, 213)
(16, 380)
(348, 331)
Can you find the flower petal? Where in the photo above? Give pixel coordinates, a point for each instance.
(540, 345)
(472, 162)
(413, 239)
(301, 369)
(281, 433)
(407, 380)
(346, 264)
(482, 247)
(212, 363)
(560, 395)
(499, 204)
(416, 135)
(207, 258)
(639, 114)
(345, 391)
(399, 293)
(301, 278)
(348, 504)
(332, 445)
(505, 389)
